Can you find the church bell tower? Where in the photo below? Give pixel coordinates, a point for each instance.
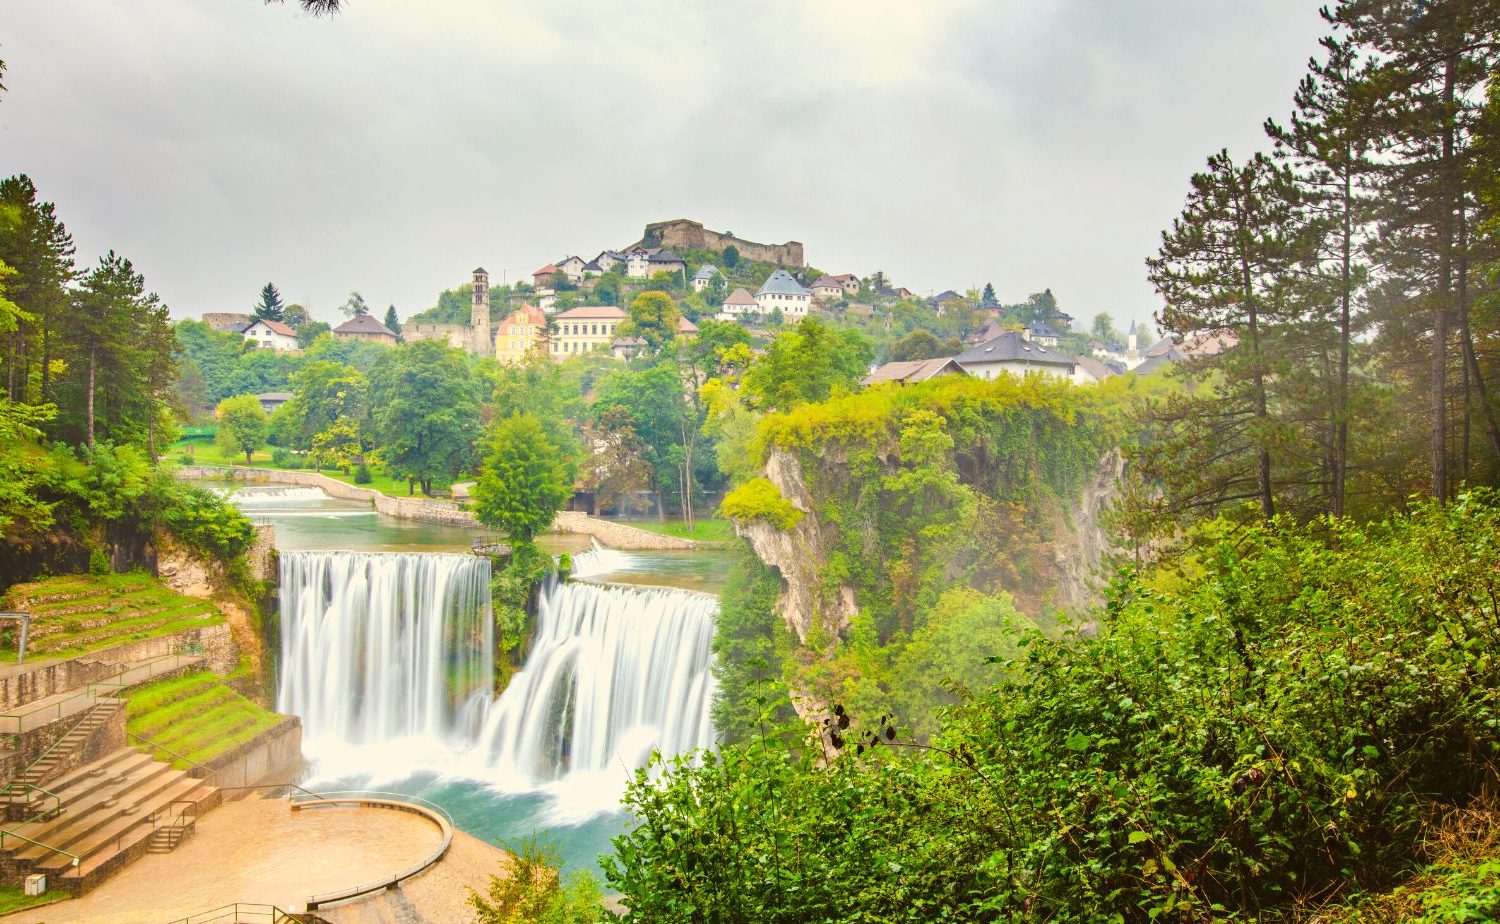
(481, 341)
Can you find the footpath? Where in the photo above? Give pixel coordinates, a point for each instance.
(428, 510)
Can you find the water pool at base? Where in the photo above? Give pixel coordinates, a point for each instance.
(383, 648)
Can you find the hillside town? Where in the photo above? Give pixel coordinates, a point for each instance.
(576, 305)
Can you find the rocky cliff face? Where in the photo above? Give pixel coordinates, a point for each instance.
(1072, 580)
(798, 555)
(193, 575)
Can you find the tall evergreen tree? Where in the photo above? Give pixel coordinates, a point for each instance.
(122, 364)
(1222, 272)
(1327, 144)
(355, 306)
(988, 296)
(1430, 57)
(34, 242)
(392, 321)
(270, 307)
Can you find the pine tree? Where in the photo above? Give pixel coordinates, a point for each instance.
(1222, 271)
(34, 242)
(1327, 147)
(988, 296)
(123, 347)
(355, 306)
(270, 308)
(393, 322)
(1430, 59)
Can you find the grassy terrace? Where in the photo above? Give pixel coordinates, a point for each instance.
(79, 613)
(195, 715)
(705, 530)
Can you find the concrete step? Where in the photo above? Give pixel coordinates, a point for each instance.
(81, 817)
(120, 828)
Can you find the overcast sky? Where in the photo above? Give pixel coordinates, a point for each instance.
(391, 149)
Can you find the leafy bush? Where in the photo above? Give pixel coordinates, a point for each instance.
(759, 499)
(206, 522)
(534, 892)
(98, 561)
(1279, 720)
(362, 474)
(511, 588)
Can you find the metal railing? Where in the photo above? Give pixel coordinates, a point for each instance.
(209, 773)
(87, 714)
(239, 913)
(391, 800)
(93, 690)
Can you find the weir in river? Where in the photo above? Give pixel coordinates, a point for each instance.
(398, 649)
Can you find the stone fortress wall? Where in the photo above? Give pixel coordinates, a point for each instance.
(681, 233)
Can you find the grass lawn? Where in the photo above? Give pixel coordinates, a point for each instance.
(704, 530)
(197, 715)
(13, 898)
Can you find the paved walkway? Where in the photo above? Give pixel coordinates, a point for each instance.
(254, 850)
(34, 715)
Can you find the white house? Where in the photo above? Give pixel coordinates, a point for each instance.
(783, 291)
(607, 259)
(1013, 353)
(573, 268)
(638, 263)
(704, 277)
(271, 335)
(738, 305)
(848, 281)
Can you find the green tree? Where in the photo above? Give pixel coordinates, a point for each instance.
(731, 257)
(392, 321)
(809, 362)
(424, 400)
(533, 891)
(270, 306)
(242, 425)
(989, 294)
(35, 243)
(309, 331)
(653, 318)
(323, 392)
(919, 344)
(1223, 266)
(340, 446)
(715, 293)
(355, 306)
(295, 316)
(122, 344)
(525, 479)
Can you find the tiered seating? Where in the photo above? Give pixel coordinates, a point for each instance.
(112, 811)
(61, 753)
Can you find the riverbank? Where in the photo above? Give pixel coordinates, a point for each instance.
(431, 510)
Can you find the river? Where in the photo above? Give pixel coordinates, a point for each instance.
(386, 644)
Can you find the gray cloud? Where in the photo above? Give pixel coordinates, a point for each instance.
(221, 143)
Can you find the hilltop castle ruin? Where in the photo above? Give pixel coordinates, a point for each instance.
(683, 234)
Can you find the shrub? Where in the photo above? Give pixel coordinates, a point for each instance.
(362, 474)
(98, 561)
(759, 499)
(208, 523)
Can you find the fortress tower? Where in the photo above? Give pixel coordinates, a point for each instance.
(481, 341)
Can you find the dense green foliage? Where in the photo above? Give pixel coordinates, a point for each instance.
(525, 479)
(1252, 733)
(532, 891)
(242, 425)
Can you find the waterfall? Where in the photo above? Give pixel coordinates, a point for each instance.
(614, 672)
(398, 649)
(379, 646)
(274, 495)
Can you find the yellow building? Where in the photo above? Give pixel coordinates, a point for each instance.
(584, 329)
(519, 334)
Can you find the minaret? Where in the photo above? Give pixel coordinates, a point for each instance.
(481, 342)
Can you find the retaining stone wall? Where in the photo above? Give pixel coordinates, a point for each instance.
(613, 534)
(272, 756)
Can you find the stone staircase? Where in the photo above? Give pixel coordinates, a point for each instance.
(60, 754)
(112, 811)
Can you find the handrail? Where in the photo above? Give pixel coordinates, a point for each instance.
(271, 786)
(26, 790)
(360, 797)
(42, 756)
(210, 771)
(77, 860)
(88, 690)
(230, 914)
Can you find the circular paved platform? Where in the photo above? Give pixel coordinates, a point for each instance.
(257, 850)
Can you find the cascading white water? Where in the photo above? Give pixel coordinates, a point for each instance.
(280, 494)
(377, 646)
(382, 648)
(614, 672)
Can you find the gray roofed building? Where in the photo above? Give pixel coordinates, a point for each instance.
(782, 283)
(1013, 353)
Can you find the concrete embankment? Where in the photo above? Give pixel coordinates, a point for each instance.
(429, 510)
